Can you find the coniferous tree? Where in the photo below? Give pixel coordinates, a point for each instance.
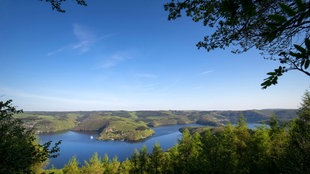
(93, 166)
(172, 159)
(259, 154)
(156, 159)
(72, 167)
(298, 151)
(196, 162)
(279, 138)
(226, 152)
(135, 161)
(105, 162)
(242, 145)
(185, 149)
(113, 166)
(144, 160)
(206, 154)
(125, 167)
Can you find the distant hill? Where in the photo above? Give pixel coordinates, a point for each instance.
(136, 125)
(257, 116)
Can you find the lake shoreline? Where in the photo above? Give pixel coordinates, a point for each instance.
(79, 144)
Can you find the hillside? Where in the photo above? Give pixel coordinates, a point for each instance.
(137, 125)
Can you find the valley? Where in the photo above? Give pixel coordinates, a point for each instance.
(137, 125)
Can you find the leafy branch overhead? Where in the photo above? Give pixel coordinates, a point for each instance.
(273, 27)
(56, 4)
(297, 60)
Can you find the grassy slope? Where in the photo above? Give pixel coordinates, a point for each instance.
(49, 123)
(112, 127)
(126, 129)
(92, 123)
(134, 125)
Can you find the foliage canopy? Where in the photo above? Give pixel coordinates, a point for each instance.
(19, 150)
(56, 4)
(278, 28)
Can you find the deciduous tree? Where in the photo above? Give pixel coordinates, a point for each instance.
(57, 4)
(280, 29)
(20, 151)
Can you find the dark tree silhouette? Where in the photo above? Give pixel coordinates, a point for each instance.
(56, 4)
(272, 26)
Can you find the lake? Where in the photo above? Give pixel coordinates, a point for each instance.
(81, 145)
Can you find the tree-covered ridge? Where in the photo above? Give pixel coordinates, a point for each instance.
(137, 125)
(277, 148)
(280, 148)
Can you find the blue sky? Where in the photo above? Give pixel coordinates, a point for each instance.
(126, 55)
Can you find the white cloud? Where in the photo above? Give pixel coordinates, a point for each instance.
(82, 33)
(115, 59)
(206, 72)
(86, 38)
(51, 53)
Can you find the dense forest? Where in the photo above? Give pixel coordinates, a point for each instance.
(277, 148)
(280, 147)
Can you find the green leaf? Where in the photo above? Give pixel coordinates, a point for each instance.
(271, 73)
(287, 9)
(272, 25)
(307, 41)
(307, 63)
(302, 62)
(264, 85)
(273, 77)
(300, 5)
(301, 49)
(278, 18)
(296, 55)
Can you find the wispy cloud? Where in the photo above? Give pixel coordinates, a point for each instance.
(206, 72)
(115, 59)
(51, 53)
(85, 39)
(84, 36)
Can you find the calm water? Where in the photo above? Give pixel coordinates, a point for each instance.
(81, 145)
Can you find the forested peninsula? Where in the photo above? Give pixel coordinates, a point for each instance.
(137, 125)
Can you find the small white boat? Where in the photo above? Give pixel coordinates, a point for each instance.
(91, 137)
